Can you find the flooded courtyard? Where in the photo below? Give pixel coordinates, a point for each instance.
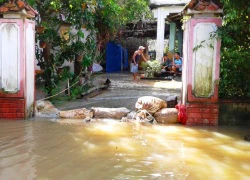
(124, 92)
(48, 149)
(43, 149)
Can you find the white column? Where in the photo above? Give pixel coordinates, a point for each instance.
(160, 38)
(160, 14)
(30, 67)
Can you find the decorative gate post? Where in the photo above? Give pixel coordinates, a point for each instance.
(201, 63)
(17, 57)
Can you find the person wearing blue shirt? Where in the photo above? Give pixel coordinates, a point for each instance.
(177, 66)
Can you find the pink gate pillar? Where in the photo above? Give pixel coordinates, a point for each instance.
(201, 52)
(17, 58)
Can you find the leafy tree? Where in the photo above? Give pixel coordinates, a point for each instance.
(112, 15)
(235, 54)
(101, 18)
(78, 14)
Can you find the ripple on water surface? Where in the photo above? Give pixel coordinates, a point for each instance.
(43, 149)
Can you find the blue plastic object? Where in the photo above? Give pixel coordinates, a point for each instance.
(116, 58)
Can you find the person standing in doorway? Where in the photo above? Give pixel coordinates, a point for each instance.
(135, 59)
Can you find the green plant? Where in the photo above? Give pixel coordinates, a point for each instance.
(151, 68)
(235, 64)
(100, 18)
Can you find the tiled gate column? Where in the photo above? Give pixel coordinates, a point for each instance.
(17, 60)
(201, 69)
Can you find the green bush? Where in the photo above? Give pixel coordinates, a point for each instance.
(235, 61)
(151, 68)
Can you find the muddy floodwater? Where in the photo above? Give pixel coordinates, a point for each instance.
(43, 149)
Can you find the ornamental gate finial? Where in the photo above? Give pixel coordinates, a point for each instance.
(17, 6)
(203, 5)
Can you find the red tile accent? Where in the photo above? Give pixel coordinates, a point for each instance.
(202, 113)
(12, 108)
(195, 115)
(209, 116)
(194, 110)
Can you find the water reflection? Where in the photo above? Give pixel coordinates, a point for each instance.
(43, 149)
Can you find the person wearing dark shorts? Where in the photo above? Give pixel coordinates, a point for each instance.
(135, 59)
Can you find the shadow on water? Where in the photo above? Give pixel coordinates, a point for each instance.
(43, 149)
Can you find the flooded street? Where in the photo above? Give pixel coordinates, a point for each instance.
(42, 149)
(124, 92)
(110, 150)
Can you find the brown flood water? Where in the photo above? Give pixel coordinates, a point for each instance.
(109, 150)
